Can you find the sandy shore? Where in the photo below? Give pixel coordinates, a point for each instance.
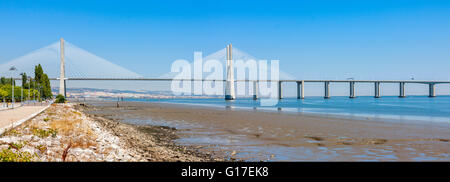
(63, 133)
(138, 131)
(256, 135)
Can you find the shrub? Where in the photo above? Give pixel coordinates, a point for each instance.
(60, 99)
(12, 132)
(45, 133)
(42, 148)
(8, 155)
(16, 146)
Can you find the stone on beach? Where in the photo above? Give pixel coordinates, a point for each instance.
(89, 141)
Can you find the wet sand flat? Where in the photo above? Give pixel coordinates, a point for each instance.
(279, 136)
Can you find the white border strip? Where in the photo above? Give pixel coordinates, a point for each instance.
(17, 123)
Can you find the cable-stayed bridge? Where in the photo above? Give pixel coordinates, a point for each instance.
(65, 60)
(79, 63)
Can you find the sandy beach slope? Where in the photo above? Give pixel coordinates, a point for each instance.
(63, 133)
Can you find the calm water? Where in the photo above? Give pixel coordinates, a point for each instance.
(412, 108)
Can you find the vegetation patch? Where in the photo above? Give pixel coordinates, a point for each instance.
(37, 87)
(17, 146)
(12, 132)
(9, 155)
(44, 133)
(60, 99)
(41, 148)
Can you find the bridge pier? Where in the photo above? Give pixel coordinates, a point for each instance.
(65, 88)
(352, 90)
(327, 90)
(280, 95)
(255, 90)
(300, 90)
(431, 90)
(229, 88)
(377, 89)
(402, 90)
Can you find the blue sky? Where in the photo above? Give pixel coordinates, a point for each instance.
(312, 39)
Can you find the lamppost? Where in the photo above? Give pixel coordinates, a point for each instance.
(34, 88)
(12, 69)
(39, 92)
(21, 96)
(29, 90)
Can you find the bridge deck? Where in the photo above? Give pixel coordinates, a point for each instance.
(347, 81)
(170, 79)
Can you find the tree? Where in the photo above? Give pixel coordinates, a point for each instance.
(3, 81)
(38, 72)
(46, 88)
(24, 80)
(42, 83)
(39, 86)
(3, 94)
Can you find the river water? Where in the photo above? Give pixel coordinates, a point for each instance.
(412, 108)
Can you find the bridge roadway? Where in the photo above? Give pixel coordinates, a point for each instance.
(170, 79)
(300, 84)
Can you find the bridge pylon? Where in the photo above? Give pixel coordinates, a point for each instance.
(62, 75)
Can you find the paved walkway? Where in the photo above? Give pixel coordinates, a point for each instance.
(10, 116)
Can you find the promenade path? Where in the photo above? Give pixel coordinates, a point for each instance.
(11, 116)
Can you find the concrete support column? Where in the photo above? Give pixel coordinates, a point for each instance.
(377, 89)
(431, 91)
(302, 96)
(255, 90)
(280, 96)
(229, 88)
(327, 90)
(402, 90)
(352, 90)
(300, 90)
(65, 88)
